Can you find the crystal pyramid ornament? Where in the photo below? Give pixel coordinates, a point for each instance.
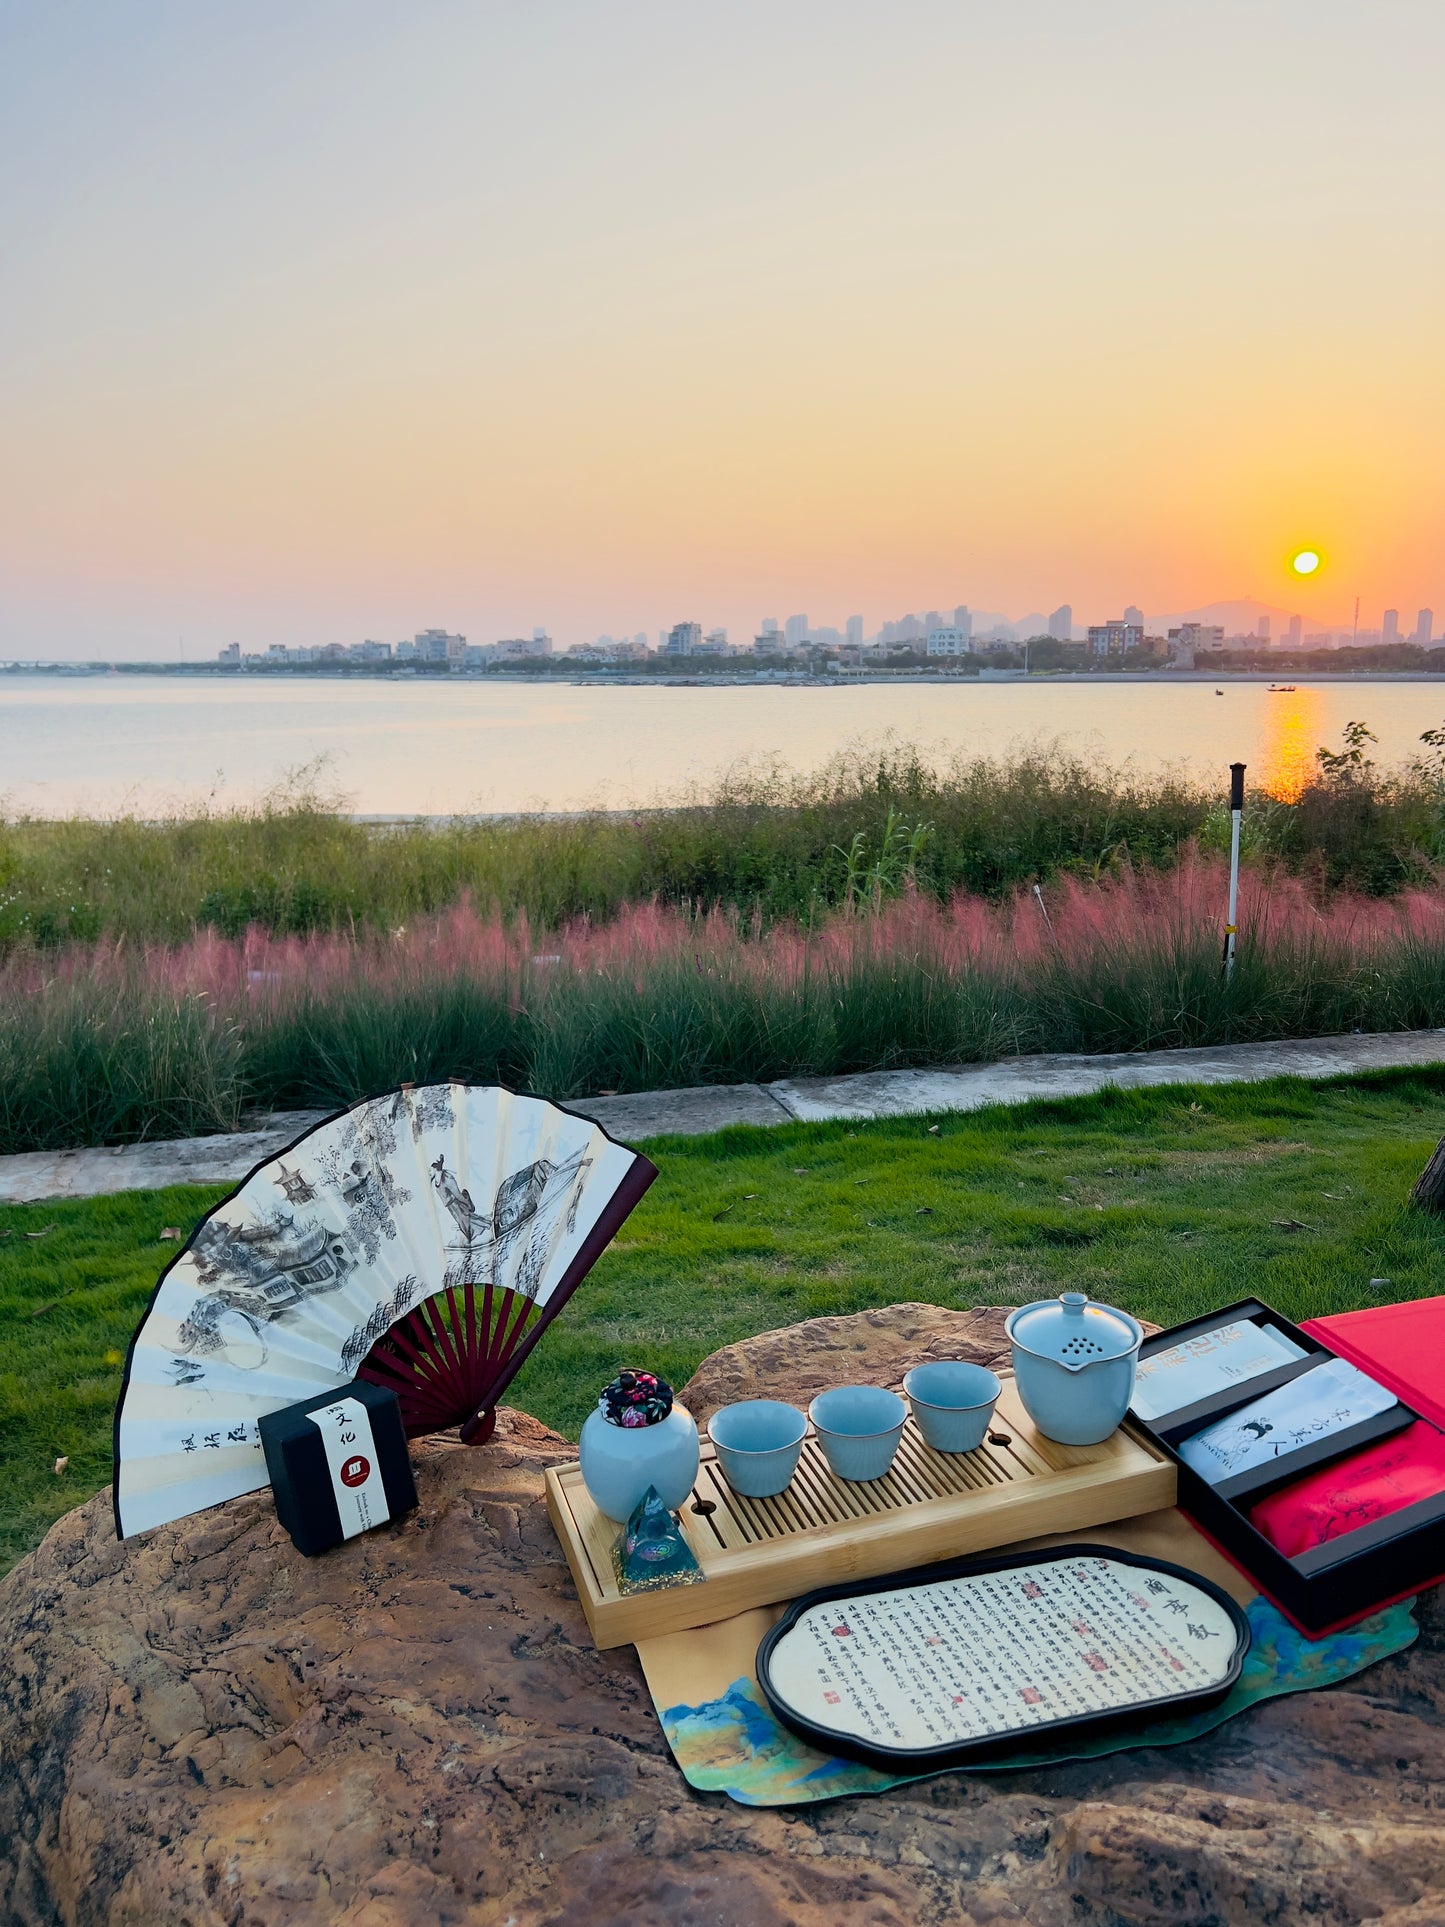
(651, 1551)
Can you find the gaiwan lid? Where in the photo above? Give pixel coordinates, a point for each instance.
(1073, 1330)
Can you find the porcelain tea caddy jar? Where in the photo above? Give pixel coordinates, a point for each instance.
(1074, 1364)
(638, 1437)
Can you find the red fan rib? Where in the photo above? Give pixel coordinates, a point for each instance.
(449, 1365)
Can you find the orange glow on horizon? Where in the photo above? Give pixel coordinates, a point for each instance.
(765, 325)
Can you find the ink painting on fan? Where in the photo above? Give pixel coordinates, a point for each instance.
(422, 1240)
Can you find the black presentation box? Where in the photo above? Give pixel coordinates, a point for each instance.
(372, 1477)
(1330, 1585)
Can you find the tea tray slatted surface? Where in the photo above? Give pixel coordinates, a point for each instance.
(822, 1530)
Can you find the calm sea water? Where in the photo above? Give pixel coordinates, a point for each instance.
(148, 743)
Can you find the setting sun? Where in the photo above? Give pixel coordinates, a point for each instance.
(1306, 562)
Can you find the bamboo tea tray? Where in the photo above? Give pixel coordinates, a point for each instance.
(931, 1505)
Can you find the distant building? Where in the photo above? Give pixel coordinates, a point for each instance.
(907, 630)
(1135, 617)
(947, 639)
(933, 620)
(796, 630)
(1294, 632)
(1261, 629)
(610, 649)
(684, 639)
(715, 643)
(370, 652)
(435, 645)
(1390, 627)
(332, 652)
(1061, 623)
(768, 643)
(529, 647)
(1118, 638)
(231, 653)
(543, 642)
(854, 632)
(1424, 625)
(1193, 636)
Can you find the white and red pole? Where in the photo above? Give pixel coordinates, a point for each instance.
(1236, 811)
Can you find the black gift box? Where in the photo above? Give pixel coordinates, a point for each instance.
(1330, 1585)
(372, 1475)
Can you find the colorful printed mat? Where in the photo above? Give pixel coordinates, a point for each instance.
(726, 1739)
(735, 1745)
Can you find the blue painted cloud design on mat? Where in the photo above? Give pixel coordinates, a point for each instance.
(734, 1745)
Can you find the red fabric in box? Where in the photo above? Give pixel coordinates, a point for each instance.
(1403, 1346)
(1354, 1491)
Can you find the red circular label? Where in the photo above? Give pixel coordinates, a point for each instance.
(356, 1471)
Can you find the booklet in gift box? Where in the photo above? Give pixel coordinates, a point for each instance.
(1280, 1440)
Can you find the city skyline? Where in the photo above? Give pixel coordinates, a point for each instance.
(956, 630)
(937, 633)
(1235, 618)
(317, 323)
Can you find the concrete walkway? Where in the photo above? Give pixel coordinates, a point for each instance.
(38, 1176)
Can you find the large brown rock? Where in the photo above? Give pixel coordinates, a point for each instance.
(874, 1347)
(202, 1727)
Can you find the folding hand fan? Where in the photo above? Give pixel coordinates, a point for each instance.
(423, 1240)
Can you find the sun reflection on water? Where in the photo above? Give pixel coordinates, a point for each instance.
(1292, 733)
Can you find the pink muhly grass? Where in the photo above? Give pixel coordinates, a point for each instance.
(1080, 925)
(106, 1041)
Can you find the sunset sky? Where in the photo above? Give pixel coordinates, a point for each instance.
(323, 321)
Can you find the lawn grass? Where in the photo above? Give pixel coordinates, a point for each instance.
(1164, 1202)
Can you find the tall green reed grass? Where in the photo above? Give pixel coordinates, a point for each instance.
(762, 839)
(112, 1059)
(110, 1042)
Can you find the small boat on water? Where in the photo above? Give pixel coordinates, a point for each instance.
(1281, 689)
(1219, 692)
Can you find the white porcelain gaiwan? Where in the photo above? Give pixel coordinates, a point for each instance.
(1074, 1363)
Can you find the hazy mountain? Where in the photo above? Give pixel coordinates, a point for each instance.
(1236, 618)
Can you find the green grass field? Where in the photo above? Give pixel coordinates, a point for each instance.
(1165, 1202)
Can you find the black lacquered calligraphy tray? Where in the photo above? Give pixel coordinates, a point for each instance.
(951, 1663)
